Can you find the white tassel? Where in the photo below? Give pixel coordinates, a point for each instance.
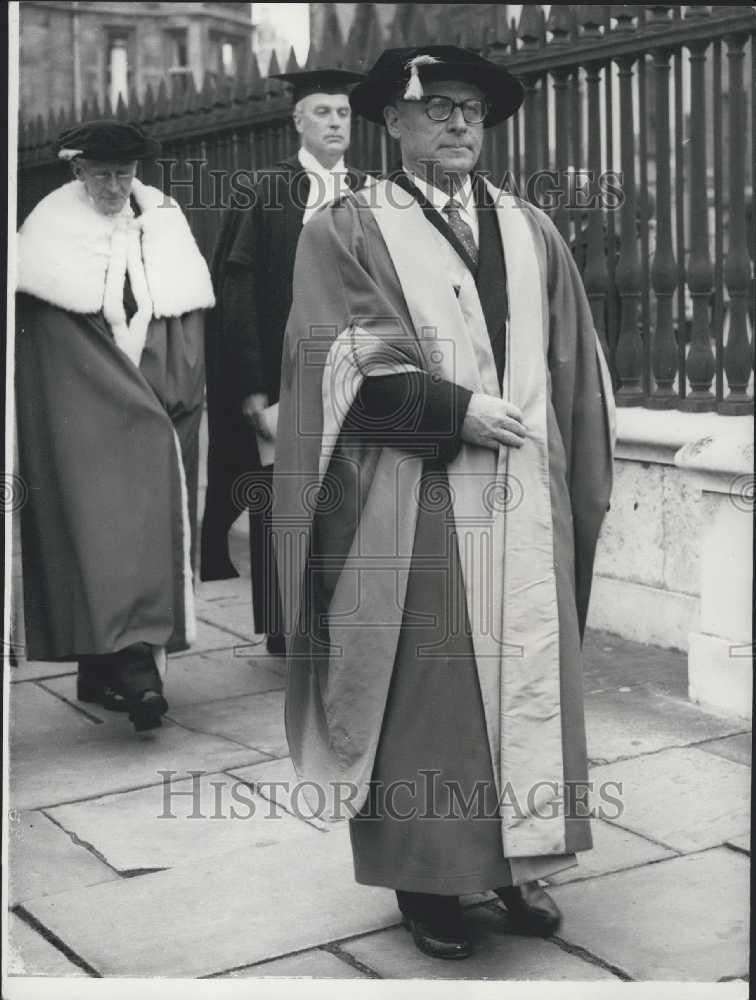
(414, 89)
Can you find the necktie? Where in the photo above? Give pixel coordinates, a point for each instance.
(460, 228)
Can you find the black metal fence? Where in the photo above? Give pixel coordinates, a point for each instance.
(637, 135)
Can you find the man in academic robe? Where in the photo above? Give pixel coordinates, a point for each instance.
(443, 466)
(109, 391)
(252, 267)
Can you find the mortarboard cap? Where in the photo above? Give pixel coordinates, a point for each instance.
(319, 81)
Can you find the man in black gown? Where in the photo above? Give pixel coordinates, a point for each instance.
(252, 269)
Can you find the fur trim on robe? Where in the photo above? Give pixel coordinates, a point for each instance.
(65, 250)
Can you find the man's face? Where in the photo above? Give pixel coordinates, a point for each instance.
(452, 147)
(323, 121)
(107, 183)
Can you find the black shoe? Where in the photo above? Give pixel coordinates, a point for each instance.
(93, 686)
(436, 925)
(146, 710)
(530, 909)
(276, 645)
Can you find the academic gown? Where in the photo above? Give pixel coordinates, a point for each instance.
(252, 270)
(399, 699)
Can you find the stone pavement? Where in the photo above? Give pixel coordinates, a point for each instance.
(175, 854)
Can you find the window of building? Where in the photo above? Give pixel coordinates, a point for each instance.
(224, 59)
(118, 66)
(177, 59)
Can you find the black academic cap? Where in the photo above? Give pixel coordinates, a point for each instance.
(106, 139)
(404, 71)
(319, 81)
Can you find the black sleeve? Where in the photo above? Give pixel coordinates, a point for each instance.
(410, 410)
(240, 329)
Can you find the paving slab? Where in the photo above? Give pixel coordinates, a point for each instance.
(31, 670)
(209, 637)
(734, 748)
(685, 919)
(29, 954)
(223, 591)
(219, 913)
(611, 662)
(111, 757)
(277, 781)
(198, 679)
(37, 714)
(498, 955)
(684, 799)
(43, 859)
(741, 843)
(233, 615)
(613, 850)
(255, 720)
(314, 964)
(180, 822)
(626, 723)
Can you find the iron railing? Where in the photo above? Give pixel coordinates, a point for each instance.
(637, 135)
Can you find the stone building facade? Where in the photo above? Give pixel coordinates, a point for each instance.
(455, 21)
(74, 52)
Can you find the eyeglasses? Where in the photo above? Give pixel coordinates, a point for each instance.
(120, 175)
(440, 109)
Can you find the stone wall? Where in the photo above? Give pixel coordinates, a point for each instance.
(675, 557)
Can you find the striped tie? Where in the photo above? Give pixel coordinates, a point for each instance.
(461, 229)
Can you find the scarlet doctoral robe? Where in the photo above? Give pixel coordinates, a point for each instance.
(108, 424)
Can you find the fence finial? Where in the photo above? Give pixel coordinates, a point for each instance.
(39, 131)
(254, 77)
(591, 17)
(273, 67)
(190, 95)
(417, 30)
(330, 51)
(365, 41)
(148, 107)
(530, 26)
(624, 14)
(162, 105)
(560, 24)
(292, 66)
(207, 94)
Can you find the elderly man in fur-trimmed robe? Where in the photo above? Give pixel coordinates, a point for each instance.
(443, 467)
(109, 390)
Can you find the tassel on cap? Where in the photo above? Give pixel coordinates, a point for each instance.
(414, 89)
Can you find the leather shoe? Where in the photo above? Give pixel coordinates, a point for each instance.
(93, 685)
(530, 909)
(276, 645)
(146, 709)
(437, 928)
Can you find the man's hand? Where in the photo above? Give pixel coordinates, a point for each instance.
(490, 422)
(253, 404)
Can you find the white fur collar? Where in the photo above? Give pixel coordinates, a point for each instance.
(65, 248)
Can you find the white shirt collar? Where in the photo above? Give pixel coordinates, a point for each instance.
(313, 166)
(325, 186)
(439, 198)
